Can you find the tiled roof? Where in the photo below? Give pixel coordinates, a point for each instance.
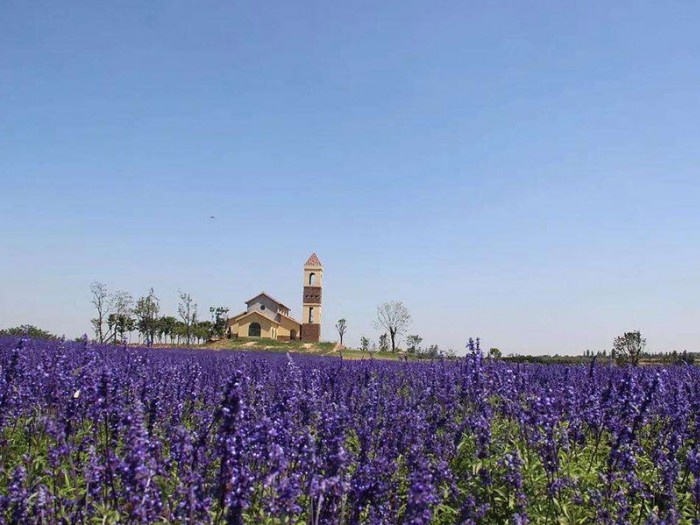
(313, 261)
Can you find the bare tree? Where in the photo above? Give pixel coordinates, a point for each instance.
(394, 317)
(102, 302)
(628, 347)
(187, 309)
(341, 326)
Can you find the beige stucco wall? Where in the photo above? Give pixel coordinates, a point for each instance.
(317, 313)
(318, 270)
(267, 327)
(286, 327)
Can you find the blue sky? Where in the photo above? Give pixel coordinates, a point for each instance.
(522, 171)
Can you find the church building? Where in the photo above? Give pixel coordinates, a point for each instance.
(266, 317)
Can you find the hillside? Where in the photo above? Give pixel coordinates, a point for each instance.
(325, 348)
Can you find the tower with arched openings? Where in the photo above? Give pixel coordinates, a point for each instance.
(311, 310)
(267, 318)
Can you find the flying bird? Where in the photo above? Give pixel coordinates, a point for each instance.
(212, 217)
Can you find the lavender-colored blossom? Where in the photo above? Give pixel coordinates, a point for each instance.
(92, 433)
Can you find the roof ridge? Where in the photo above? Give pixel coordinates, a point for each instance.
(267, 295)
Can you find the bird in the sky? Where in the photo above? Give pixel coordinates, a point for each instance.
(212, 217)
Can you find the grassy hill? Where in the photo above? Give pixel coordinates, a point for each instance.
(325, 348)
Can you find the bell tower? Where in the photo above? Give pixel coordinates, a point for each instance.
(311, 310)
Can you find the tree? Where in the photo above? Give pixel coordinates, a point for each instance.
(120, 325)
(28, 330)
(166, 326)
(395, 318)
(146, 311)
(495, 353)
(187, 309)
(364, 344)
(119, 320)
(341, 326)
(102, 302)
(628, 348)
(180, 332)
(384, 343)
(202, 330)
(413, 344)
(219, 318)
(433, 351)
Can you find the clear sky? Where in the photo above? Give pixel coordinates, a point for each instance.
(523, 171)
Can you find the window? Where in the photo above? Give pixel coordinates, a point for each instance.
(311, 315)
(262, 306)
(312, 278)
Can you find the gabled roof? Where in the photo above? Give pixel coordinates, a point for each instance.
(290, 318)
(233, 319)
(254, 312)
(313, 260)
(269, 297)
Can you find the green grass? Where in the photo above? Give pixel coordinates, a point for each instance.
(325, 348)
(259, 343)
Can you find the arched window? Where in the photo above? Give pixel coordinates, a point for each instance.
(254, 330)
(311, 315)
(312, 278)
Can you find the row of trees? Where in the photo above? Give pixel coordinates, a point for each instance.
(393, 320)
(28, 330)
(118, 314)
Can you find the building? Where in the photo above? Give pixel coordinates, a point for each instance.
(266, 317)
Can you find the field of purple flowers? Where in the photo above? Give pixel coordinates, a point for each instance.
(94, 434)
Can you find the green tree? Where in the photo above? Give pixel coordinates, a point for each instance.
(433, 351)
(202, 331)
(628, 348)
(364, 344)
(187, 310)
(28, 330)
(384, 343)
(180, 332)
(146, 311)
(495, 353)
(341, 326)
(120, 325)
(413, 344)
(119, 320)
(219, 316)
(167, 325)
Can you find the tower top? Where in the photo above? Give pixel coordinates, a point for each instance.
(313, 261)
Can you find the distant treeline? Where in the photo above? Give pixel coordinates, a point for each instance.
(117, 315)
(665, 358)
(28, 330)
